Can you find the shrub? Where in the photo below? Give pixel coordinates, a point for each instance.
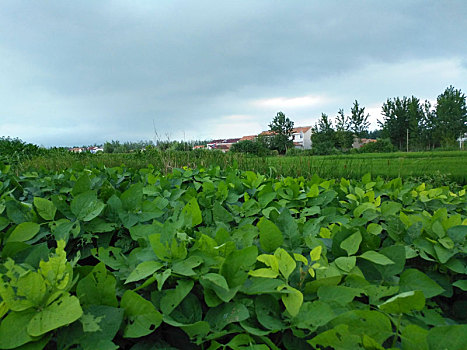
(380, 146)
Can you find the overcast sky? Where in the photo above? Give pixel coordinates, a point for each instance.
(85, 72)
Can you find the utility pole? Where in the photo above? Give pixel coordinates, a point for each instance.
(407, 140)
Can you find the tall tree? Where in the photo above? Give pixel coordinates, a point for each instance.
(358, 121)
(323, 136)
(402, 117)
(282, 127)
(451, 116)
(344, 137)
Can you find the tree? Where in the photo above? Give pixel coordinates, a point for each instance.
(450, 121)
(282, 129)
(401, 117)
(323, 136)
(358, 121)
(343, 137)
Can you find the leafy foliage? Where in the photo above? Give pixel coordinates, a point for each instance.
(282, 128)
(203, 258)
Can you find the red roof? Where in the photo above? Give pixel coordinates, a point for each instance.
(249, 138)
(296, 130)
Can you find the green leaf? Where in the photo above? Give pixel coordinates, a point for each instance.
(143, 270)
(292, 299)
(191, 214)
(13, 329)
(345, 263)
(236, 264)
(216, 279)
(83, 184)
(86, 206)
(173, 297)
(270, 237)
(45, 208)
(374, 229)
(143, 318)
(61, 312)
(221, 214)
(24, 232)
(338, 337)
(412, 279)
(376, 258)
(462, 284)
(414, 338)
(404, 303)
(390, 208)
(226, 313)
(448, 337)
(268, 312)
(185, 267)
(352, 243)
(98, 287)
(372, 323)
(314, 314)
(132, 198)
(104, 320)
(286, 264)
(339, 294)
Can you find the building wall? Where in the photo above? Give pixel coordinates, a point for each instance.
(307, 139)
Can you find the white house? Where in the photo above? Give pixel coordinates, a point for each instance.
(462, 141)
(301, 137)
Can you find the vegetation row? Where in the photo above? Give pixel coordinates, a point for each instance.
(108, 258)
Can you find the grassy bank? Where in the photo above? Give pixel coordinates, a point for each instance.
(436, 166)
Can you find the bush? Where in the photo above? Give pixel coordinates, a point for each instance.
(14, 150)
(293, 152)
(380, 146)
(250, 147)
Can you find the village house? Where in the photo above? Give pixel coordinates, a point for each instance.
(223, 144)
(357, 143)
(301, 136)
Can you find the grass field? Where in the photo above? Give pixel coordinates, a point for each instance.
(448, 166)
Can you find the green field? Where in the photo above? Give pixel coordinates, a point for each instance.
(103, 257)
(441, 167)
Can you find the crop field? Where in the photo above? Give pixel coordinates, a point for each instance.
(107, 257)
(441, 167)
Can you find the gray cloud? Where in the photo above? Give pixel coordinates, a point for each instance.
(93, 71)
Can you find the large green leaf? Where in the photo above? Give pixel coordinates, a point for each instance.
(98, 287)
(143, 270)
(339, 294)
(448, 337)
(376, 258)
(24, 232)
(61, 312)
(191, 213)
(404, 303)
(173, 297)
(412, 279)
(270, 237)
(372, 323)
(226, 313)
(142, 316)
(13, 329)
(133, 197)
(85, 206)
(236, 264)
(352, 243)
(45, 208)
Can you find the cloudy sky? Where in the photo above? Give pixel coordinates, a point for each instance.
(85, 72)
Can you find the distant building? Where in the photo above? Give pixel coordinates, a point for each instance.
(462, 140)
(357, 143)
(223, 144)
(301, 136)
(249, 138)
